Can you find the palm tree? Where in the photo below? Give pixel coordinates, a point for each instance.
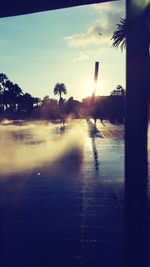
(60, 89)
(119, 35)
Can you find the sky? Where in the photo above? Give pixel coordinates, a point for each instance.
(41, 49)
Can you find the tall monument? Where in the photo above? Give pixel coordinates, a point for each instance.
(95, 78)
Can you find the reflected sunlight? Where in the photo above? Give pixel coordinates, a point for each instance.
(88, 87)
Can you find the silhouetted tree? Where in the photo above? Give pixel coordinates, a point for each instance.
(49, 108)
(45, 100)
(73, 108)
(117, 104)
(26, 102)
(1, 99)
(11, 95)
(119, 35)
(118, 91)
(36, 101)
(60, 89)
(3, 80)
(13, 102)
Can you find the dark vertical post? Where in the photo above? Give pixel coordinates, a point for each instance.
(95, 77)
(96, 71)
(136, 131)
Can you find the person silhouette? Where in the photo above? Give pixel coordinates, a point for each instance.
(101, 119)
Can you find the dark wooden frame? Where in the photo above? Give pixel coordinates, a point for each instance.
(137, 79)
(136, 162)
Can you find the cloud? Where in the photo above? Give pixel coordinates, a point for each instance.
(91, 36)
(100, 32)
(82, 57)
(112, 7)
(102, 29)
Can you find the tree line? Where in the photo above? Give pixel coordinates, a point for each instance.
(16, 104)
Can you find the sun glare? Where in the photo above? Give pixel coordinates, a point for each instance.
(88, 87)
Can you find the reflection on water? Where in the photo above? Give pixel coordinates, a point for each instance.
(30, 145)
(94, 133)
(93, 130)
(95, 154)
(59, 200)
(26, 146)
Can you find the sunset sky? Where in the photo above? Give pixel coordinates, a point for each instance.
(39, 50)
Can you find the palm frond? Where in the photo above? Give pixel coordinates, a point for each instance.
(119, 35)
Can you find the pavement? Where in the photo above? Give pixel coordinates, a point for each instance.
(68, 212)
